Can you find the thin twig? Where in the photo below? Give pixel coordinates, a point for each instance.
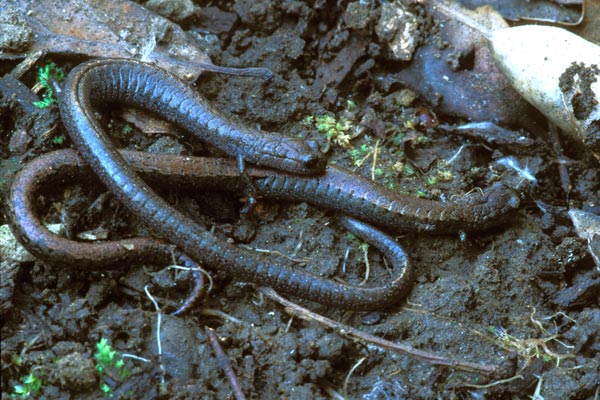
(199, 269)
(365, 250)
(254, 72)
(537, 395)
(455, 12)
(346, 330)
(209, 312)
(26, 64)
(225, 364)
(331, 391)
(159, 345)
(495, 383)
(299, 245)
(127, 355)
(344, 263)
(301, 260)
(374, 164)
(349, 375)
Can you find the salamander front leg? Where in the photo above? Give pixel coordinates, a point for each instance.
(249, 188)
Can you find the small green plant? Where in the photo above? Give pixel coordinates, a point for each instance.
(105, 389)
(60, 139)
(336, 131)
(360, 155)
(126, 130)
(398, 138)
(31, 384)
(444, 175)
(408, 170)
(432, 180)
(109, 361)
(45, 74)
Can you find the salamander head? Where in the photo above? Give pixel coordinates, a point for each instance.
(313, 160)
(295, 156)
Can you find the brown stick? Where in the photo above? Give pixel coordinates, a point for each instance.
(225, 364)
(346, 330)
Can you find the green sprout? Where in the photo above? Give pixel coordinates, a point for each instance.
(335, 131)
(58, 139)
(360, 155)
(308, 120)
(408, 169)
(126, 130)
(411, 123)
(109, 362)
(31, 384)
(45, 74)
(107, 358)
(444, 175)
(398, 138)
(105, 388)
(105, 355)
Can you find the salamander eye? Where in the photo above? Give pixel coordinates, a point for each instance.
(312, 162)
(314, 146)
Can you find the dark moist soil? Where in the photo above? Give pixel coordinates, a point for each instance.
(523, 295)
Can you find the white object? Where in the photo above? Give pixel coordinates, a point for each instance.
(534, 57)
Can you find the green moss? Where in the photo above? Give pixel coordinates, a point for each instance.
(336, 131)
(126, 130)
(46, 74)
(408, 170)
(30, 385)
(110, 360)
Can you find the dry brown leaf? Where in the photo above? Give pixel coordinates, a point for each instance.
(104, 28)
(462, 79)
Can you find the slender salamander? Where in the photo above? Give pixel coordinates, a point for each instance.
(138, 84)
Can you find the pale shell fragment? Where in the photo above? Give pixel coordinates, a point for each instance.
(534, 58)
